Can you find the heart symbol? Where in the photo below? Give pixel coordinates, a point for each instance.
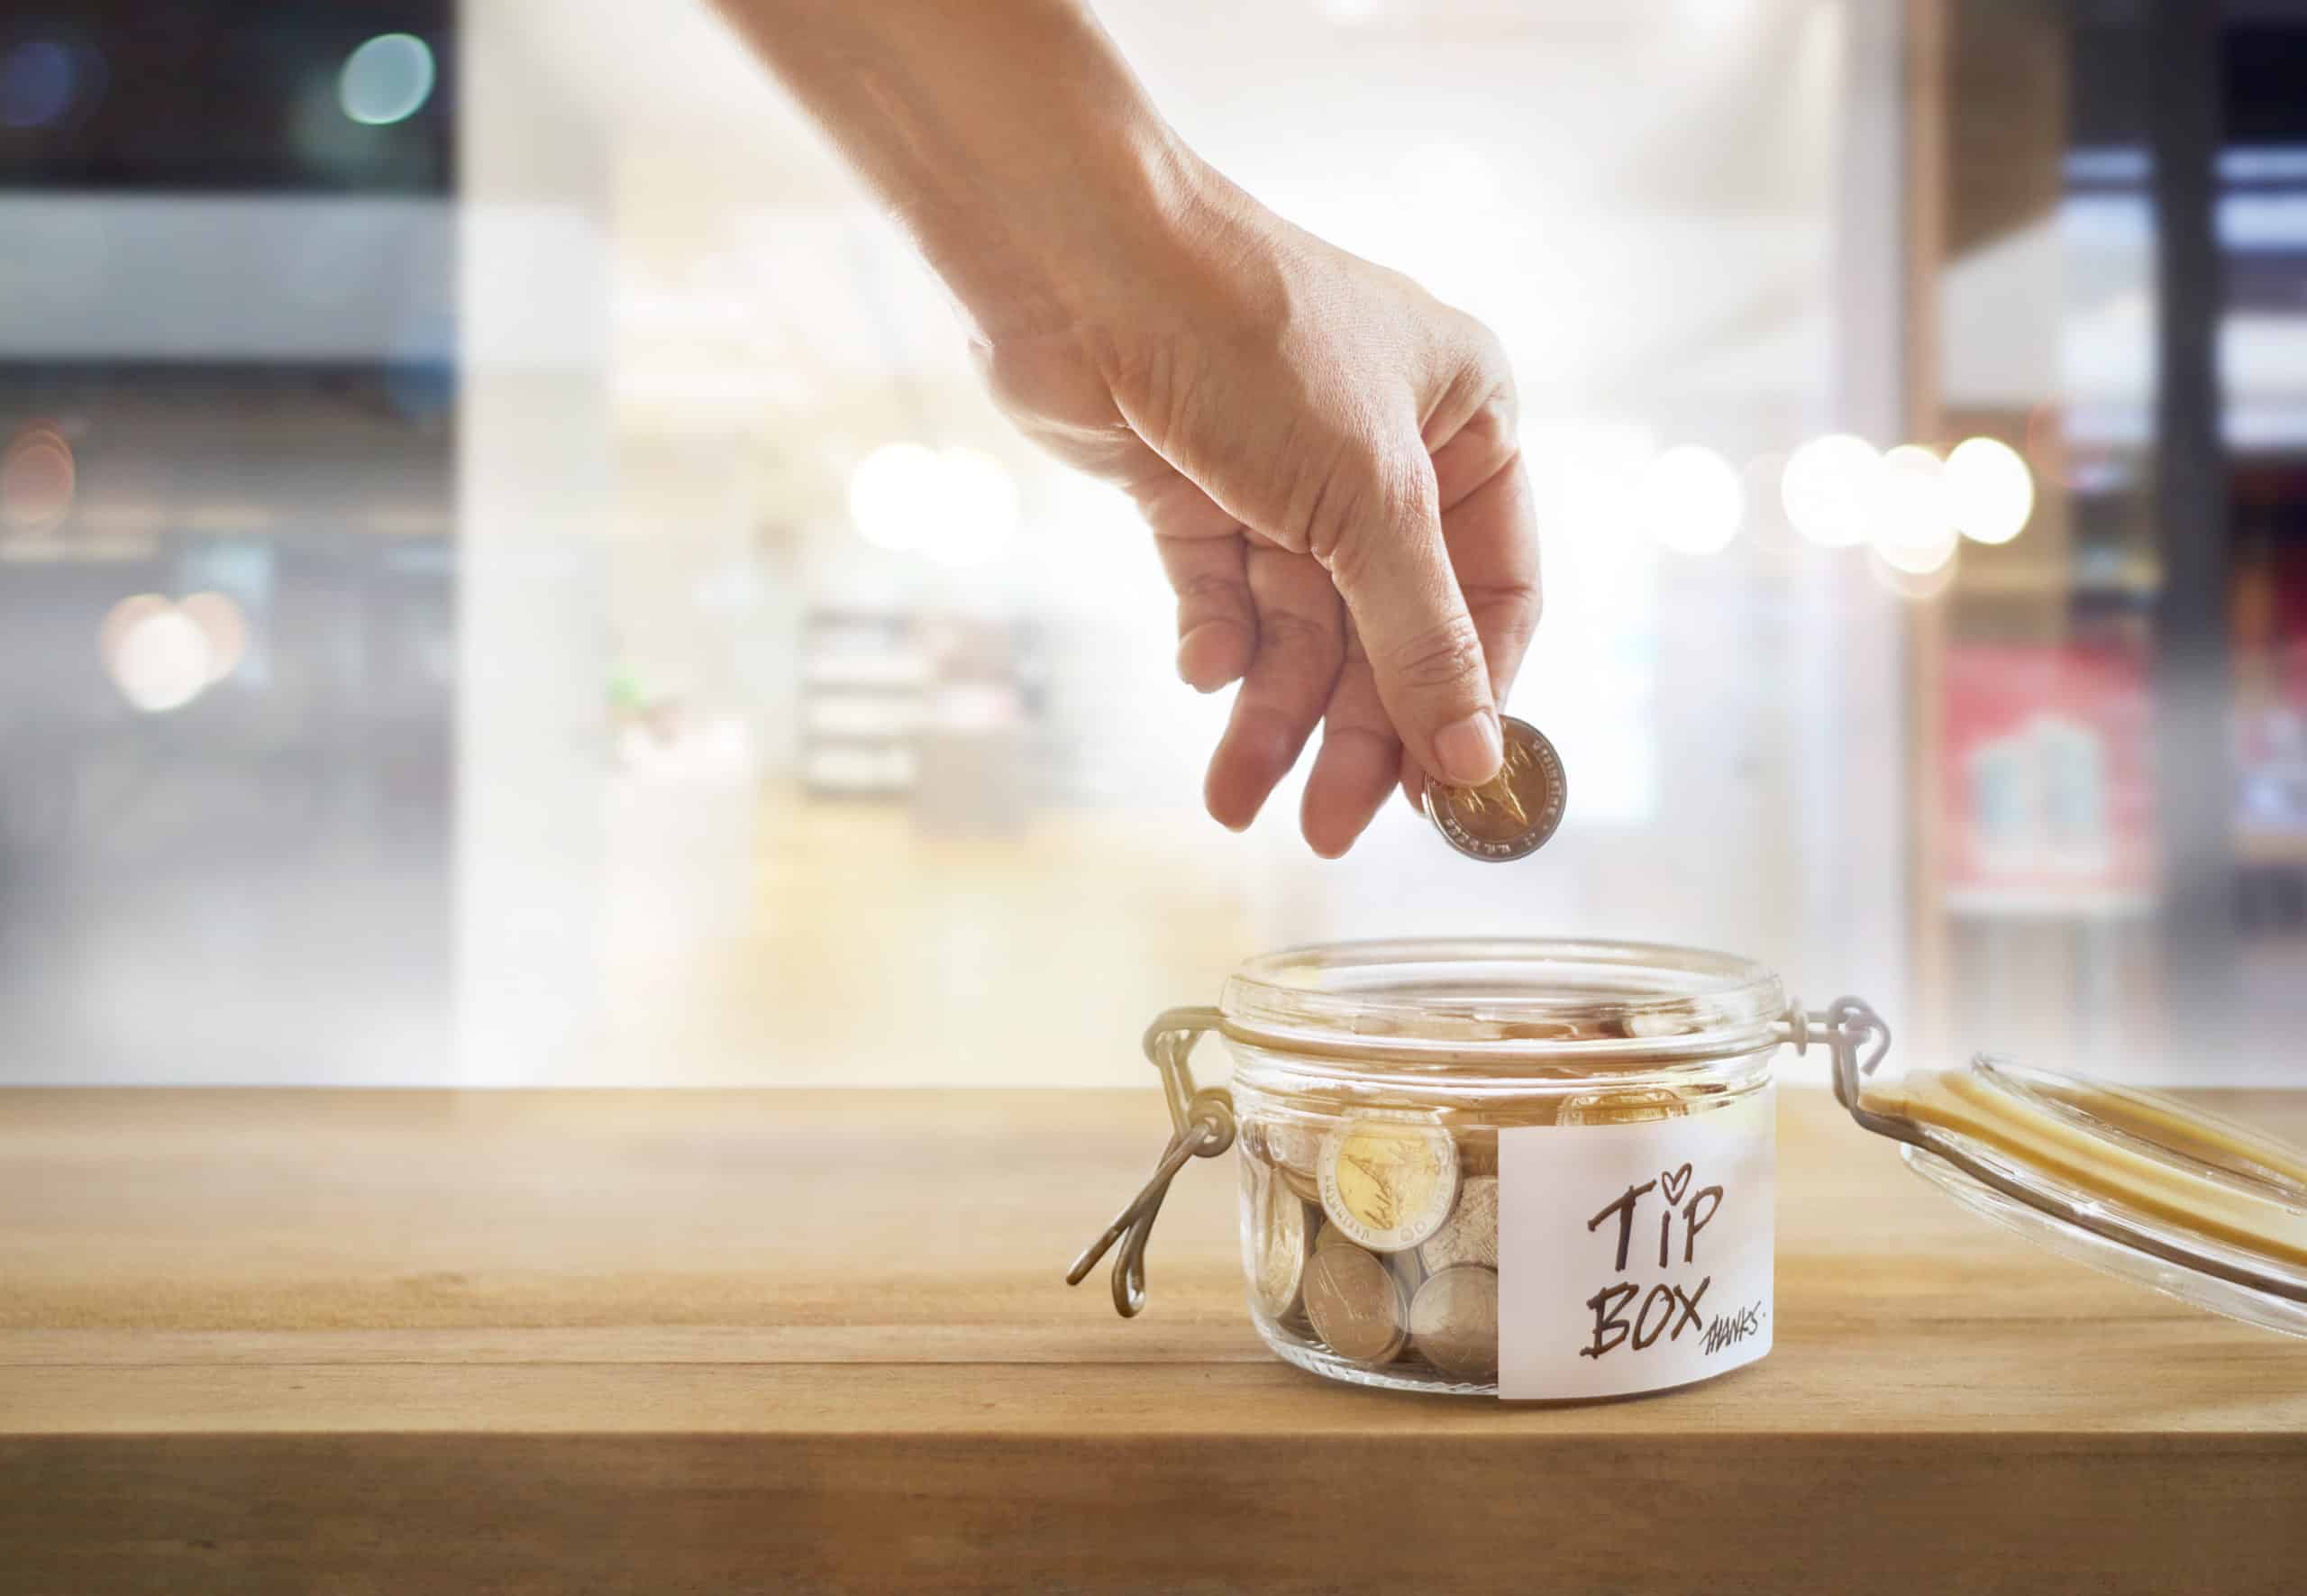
(1675, 1184)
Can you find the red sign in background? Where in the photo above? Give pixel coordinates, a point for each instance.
(2045, 776)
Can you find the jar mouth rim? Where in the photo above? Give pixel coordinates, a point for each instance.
(1491, 1000)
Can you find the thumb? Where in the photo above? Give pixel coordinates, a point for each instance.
(1390, 565)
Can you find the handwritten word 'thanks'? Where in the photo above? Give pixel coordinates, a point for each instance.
(1728, 1329)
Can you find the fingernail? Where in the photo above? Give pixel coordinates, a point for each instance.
(1470, 750)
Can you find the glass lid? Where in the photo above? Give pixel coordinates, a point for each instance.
(2140, 1185)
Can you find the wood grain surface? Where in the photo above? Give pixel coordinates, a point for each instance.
(797, 1342)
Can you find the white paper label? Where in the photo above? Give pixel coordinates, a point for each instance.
(1633, 1257)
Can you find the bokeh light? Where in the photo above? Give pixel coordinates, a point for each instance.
(958, 507)
(977, 520)
(1766, 527)
(1916, 587)
(1915, 530)
(1990, 491)
(387, 80)
(1689, 499)
(222, 627)
(36, 82)
(893, 494)
(1831, 490)
(161, 660)
(113, 630)
(38, 478)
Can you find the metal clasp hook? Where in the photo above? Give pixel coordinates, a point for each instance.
(1202, 1128)
(1844, 1026)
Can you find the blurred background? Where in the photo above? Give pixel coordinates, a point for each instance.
(507, 575)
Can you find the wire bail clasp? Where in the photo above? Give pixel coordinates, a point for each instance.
(1845, 1026)
(1202, 1127)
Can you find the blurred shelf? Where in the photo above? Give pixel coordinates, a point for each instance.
(2257, 847)
(865, 679)
(2046, 903)
(2045, 582)
(886, 674)
(76, 551)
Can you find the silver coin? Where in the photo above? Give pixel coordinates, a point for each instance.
(1355, 1305)
(1454, 1322)
(1470, 1235)
(1277, 1243)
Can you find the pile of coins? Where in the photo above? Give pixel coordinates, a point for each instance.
(1372, 1234)
(1376, 1239)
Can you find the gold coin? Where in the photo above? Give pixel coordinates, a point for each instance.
(1470, 1235)
(1355, 1305)
(1628, 1107)
(1277, 1244)
(1388, 1181)
(1513, 814)
(1454, 1322)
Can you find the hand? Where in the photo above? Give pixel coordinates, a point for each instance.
(1326, 455)
(1328, 459)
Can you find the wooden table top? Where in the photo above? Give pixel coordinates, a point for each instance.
(820, 1341)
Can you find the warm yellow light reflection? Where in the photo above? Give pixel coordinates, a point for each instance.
(1832, 489)
(1689, 499)
(1990, 491)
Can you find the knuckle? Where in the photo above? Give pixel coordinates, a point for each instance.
(1287, 633)
(1487, 369)
(1513, 629)
(1446, 655)
(1334, 507)
(1530, 605)
(1368, 495)
(1209, 595)
(1489, 350)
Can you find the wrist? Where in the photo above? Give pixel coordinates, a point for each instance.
(1125, 202)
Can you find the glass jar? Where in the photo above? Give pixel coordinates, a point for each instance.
(1409, 1113)
(1548, 1168)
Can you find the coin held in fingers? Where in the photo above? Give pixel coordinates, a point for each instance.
(1513, 814)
